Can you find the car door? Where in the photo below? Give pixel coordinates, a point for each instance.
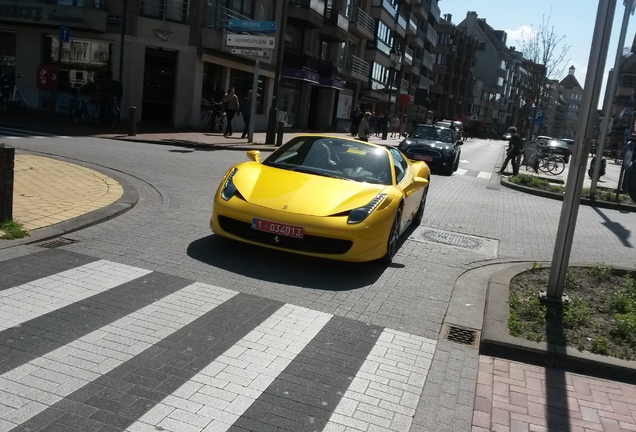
(404, 179)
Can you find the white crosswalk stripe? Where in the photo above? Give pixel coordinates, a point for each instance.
(39, 297)
(218, 392)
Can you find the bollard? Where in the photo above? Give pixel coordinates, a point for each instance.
(279, 134)
(132, 121)
(7, 162)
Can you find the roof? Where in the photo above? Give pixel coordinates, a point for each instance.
(570, 82)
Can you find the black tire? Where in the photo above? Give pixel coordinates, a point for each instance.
(417, 220)
(205, 123)
(556, 165)
(394, 237)
(20, 104)
(590, 171)
(456, 165)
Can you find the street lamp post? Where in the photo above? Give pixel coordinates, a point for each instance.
(395, 56)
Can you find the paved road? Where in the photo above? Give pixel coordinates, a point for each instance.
(165, 241)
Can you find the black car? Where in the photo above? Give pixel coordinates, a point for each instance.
(437, 146)
(559, 147)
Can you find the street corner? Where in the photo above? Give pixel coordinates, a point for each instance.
(52, 197)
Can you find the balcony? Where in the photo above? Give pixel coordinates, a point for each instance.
(427, 60)
(414, 68)
(413, 23)
(433, 9)
(431, 35)
(417, 41)
(356, 69)
(404, 86)
(361, 24)
(401, 25)
(383, 10)
(407, 55)
(336, 26)
(424, 82)
(300, 60)
(306, 13)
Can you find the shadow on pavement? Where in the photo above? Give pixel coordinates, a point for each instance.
(284, 268)
(619, 230)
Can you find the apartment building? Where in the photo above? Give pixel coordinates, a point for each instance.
(172, 56)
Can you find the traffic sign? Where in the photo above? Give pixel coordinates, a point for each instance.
(258, 52)
(249, 41)
(65, 34)
(251, 26)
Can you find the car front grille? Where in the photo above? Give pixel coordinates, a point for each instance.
(309, 243)
(424, 151)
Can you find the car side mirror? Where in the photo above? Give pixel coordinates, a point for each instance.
(254, 155)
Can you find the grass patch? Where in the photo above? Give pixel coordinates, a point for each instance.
(601, 317)
(12, 230)
(602, 194)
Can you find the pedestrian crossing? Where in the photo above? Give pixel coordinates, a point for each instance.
(473, 173)
(90, 344)
(16, 134)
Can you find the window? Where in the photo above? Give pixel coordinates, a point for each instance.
(7, 52)
(399, 164)
(242, 82)
(168, 10)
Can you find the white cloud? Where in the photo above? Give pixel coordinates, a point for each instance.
(515, 36)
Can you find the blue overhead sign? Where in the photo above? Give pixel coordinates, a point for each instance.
(251, 26)
(65, 34)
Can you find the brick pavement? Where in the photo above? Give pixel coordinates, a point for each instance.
(489, 407)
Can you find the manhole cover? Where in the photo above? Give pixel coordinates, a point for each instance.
(56, 242)
(452, 239)
(461, 335)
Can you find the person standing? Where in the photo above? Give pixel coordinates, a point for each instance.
(231, 106)
(513, 152)
(356, 117)
(395, 127)
(385, 120)
(246, 111)
(363, 127)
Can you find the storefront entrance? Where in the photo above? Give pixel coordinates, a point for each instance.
(159, 84)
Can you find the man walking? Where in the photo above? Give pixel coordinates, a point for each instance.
(514, 150)
(246, 111)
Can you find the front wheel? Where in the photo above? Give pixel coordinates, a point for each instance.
(556, 165)
(394, 236)
(75, 115)
(420, 211)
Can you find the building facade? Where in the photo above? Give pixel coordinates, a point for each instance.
(174, 56)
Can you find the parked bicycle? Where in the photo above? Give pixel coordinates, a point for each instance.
(539, 157)
(10, 98)
(215, 119)
(89, 111)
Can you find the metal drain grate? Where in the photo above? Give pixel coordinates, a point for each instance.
(461, 335)
(56, 242)
(451, 239)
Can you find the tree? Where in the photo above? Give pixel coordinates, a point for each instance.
(545, 59)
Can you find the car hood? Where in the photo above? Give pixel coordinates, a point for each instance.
(417, 142)
(301, 193)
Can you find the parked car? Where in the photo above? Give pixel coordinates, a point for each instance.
(323, 196)
(438, 146)
(559, 147)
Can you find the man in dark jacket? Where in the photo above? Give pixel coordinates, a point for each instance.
(514, 150)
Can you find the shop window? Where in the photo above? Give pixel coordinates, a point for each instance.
(168, 10)
(83, 62)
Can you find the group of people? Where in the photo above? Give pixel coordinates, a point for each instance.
(364, 125)
(232, 107)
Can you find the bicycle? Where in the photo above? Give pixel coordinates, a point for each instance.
(90, 111)
(215, 119)
(10, 97)
(544, 161)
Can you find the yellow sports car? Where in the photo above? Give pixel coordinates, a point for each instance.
(323, 196)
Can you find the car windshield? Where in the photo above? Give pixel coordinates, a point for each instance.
(334, 157)
(432, 133)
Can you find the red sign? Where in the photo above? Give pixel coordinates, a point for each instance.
(47, 74)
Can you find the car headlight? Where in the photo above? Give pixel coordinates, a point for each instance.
(361, 213)
(229, 189)
(447, 151)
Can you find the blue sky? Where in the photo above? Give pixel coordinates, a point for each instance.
(573, 19)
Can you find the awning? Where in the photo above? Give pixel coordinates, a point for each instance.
(301, 74)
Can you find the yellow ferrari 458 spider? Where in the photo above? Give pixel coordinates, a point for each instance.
(323, 196)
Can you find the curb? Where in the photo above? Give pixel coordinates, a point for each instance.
(585, 201)
(496, 340)
(127, 201)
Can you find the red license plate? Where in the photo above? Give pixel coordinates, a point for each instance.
(278, 228)
(423, 158)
